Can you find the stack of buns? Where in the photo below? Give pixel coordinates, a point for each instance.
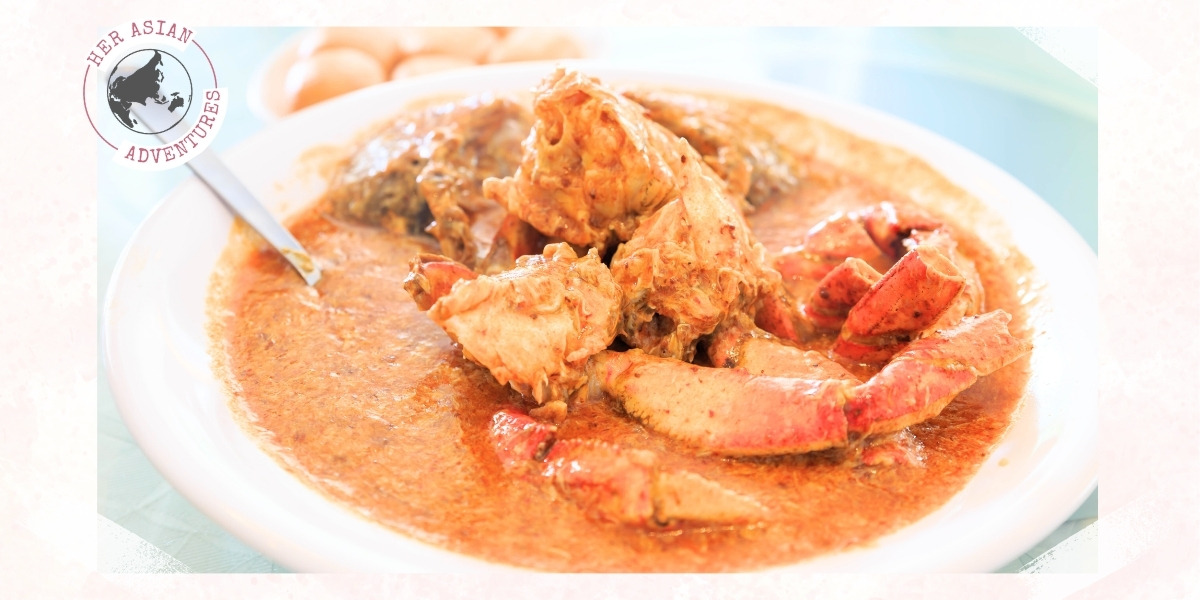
(336, 60)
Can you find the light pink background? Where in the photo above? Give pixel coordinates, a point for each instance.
(1150, 300)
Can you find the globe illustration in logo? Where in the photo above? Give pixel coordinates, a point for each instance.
(153, 84)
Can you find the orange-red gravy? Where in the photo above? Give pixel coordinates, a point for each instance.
(360, 395)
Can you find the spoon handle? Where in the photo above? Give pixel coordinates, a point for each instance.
(230, 190)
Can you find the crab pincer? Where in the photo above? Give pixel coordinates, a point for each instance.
(827, 245)
(922, 379)
(907, 300)
(838, 292)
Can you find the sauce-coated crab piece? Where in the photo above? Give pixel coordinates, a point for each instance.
(907, 300)
(596, 171)
(688, 268)
(617, 484)
(827, 245)
(432, 276)
(740, 151)
(761, 354)
(592, 167)
(534, 326)
(883, 277)
(628, 486)
(971, 300)
(726, 411)
(922, 379)
(425, 172)
(513, 239)
(838, 291)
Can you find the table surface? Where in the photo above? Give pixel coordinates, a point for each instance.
(990, 90)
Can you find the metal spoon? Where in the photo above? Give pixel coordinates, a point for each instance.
(238, 199)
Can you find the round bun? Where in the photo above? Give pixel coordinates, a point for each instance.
(535, 43)
(330, 73)
(472, 43)
(376, 42)
(422, 64)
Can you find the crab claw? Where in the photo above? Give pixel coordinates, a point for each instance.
(909, 298)
(838, 292)
(826, 245)
(919, 382)
(889, 225)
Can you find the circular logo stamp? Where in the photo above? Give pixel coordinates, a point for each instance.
(150, 92)
(157, 81)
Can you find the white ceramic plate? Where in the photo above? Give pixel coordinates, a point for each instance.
(156, 352)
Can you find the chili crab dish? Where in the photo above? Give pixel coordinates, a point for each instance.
(618, 328)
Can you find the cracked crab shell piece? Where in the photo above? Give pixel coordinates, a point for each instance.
(726, 411)
(534, 326)
(593, 165)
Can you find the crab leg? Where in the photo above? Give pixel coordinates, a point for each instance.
(628, 486)
(617, 484)
(734, 412)
(519, 438)
(727, 411)
(762, 355)
(971, 301)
